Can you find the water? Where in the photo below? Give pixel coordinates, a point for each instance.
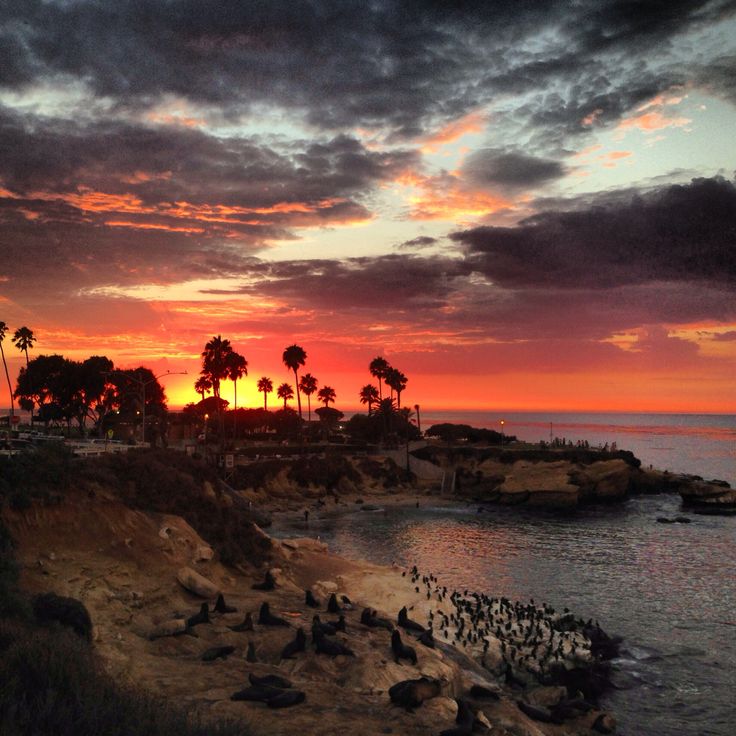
(668, 589)
(701, 444)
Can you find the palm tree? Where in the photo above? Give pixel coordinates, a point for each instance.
(308, 385)
(397, 381)
(237, 367)
(294, 356)
(378, 367)
(23, 339)
(285, 392)
(215, 362)
(202, 386)
(326, 395)
(369, 395)
(419, 420)
(3, 332)
(265, 386)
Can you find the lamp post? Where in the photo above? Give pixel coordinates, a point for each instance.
(419, 421)
(142, 384)
(206, 417)
(502, 436)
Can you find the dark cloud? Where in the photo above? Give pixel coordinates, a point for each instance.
(678, 233)
(421, 241)
(347, 62)
(510, 170)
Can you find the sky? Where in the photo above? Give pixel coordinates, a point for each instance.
(519, 205)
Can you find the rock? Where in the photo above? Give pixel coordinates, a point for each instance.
(203, 554)
(164, 532)
(547, 697)
(196, 583)
(168, 628)
(707, 497)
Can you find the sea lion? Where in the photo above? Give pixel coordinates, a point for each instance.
(266, 618)
(465, 719)
(427, 638)
(400, 650)
(250, 655)
(245, 625)
(371, 619)
(261, 693)
(323, 645)
(338, 625)
(481, 691)
(203, 617)
(213, 653)
(406, 623)
(298, 644)
(412, 693)
(222, 607)
(310, 600)
(269, 681)
(535, 712)
(286, 699)
(324, 628)
(269, 582)
(332, 605)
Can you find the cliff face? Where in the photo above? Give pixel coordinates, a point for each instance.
(129, 568)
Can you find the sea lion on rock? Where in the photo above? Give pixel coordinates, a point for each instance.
(535, 712)
(298, 644)
(332, 605)
(338, 625)
(412, 693)
(222, 607)
(250, 655)
(213, 653)
(323, 645)
(286, 699)
(406, 623)
(261, 693)
(371, 619)
(400, 650)
(465, 719)
(269, 681)
(203, 617)
(427, 638)
(310, 600)
(245, 625)
(269, 582)
(266, 618)
(324, 628)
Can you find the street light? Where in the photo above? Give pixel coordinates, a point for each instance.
(143, 385)
(502, 423)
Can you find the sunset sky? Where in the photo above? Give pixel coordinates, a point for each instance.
(520, 205)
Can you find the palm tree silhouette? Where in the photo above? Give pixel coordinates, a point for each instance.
(326, 395)
(294, 357)
(202, 386)
(378, 368)
(397, 381)
(308, 385)
(23, 339)
(237, 367)
(215, 362)
(369, 395)
(265, 386)
(3, 332)
(285, 392)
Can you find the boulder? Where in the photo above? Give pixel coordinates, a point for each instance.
(196, 583)
(203, 554)
(548, 697)
(168, 628)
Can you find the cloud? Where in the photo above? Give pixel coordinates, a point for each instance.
(421, 241)
(677, 233)
(510, 170)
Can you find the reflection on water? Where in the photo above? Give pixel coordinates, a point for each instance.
(670, 590)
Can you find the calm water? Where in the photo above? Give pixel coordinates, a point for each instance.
(670, 590)
(702, 444)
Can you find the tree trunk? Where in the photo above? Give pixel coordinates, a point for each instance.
(7, 376)
(298, 395)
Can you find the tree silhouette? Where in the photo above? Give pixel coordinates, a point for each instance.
(202, 386)
(397, 381)
(294, 357)
(23, 339)
(285, 392)
(265, 386)
(237, 367)
(215, 358)
(3, 332)
(308, 385)
(369, 395)
(378, 368)
(326, 395)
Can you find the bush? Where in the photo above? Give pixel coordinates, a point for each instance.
(12, 604)
(51, 683)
